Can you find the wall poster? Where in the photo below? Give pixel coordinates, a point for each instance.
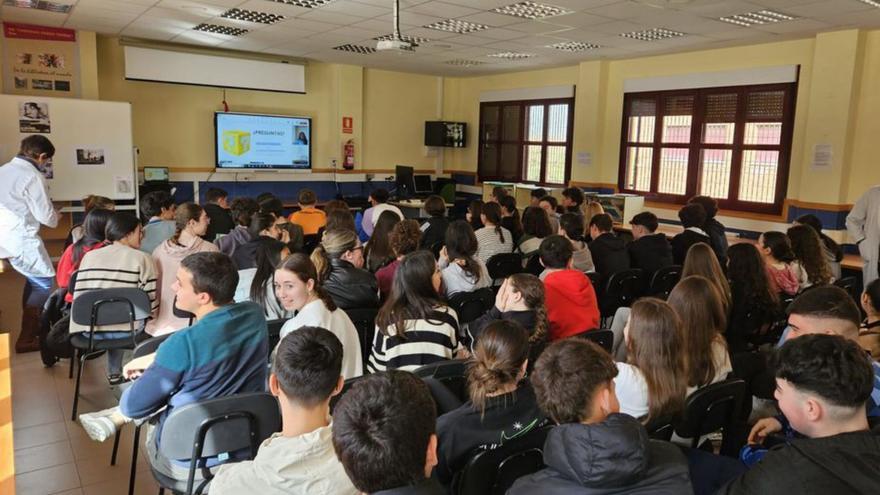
(40, 61)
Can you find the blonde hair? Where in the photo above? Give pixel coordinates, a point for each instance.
(701, 260)
(532, 290)
(333, 244)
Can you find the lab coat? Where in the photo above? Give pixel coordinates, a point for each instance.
(863, 222)
(24, 205)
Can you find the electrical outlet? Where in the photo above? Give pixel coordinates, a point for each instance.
(333, 163)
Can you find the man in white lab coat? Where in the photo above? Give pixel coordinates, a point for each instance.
(24, 205)
(863, 225)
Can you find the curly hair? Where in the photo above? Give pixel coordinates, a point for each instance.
(405, 237)
(807, 248)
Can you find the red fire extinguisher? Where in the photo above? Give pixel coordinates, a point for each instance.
(348, 155)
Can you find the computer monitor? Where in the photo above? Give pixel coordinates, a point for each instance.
(423, 184)
(403, 181)
(155, 174)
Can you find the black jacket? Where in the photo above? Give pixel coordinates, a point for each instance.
(427, 487)
(245, 256)
(609, 255)
(434, 231)
(844, 463)
(351, 287)
(221, 221)
(650, 253)
(528, 319)
(682, 242)
(511, 224)
(717, 239)
(611, 457)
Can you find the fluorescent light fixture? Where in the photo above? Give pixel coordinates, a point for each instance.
(218, 29)
(363, 50)
(511, 55)
(309, 4)
(653, 34)
(59, 8)
(531, 10)
(456, 26)
(464, 63)
(757, 18)
(574, 46)
(252, 16)
(412, 40)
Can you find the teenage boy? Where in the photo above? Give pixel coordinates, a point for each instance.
(712, 227)
(223, 353)
(383, 433)
(571, 226)
(158, 207)
(693, 217)
(608, 250)
(306, 374)
(594, 448)
(550, 204)
(572, 199)
(243, 210)
(310, 218)
(379, 202)
(648, 250)
(569, 296)
(822, 383)
(535, 196)
(498, 192)
(217, 208)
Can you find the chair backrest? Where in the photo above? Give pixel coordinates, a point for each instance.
(310, 242)
(605, 338)
(181, 313)
(274, 328)
(364, 320)
(149, 346)
(660, 428)
(533, 265)
(664, 280)
(471, 305)
(451, 373)
(346, 386)
(444, 399)
(493, 472)
(622, 290)
(851, 285)
(212, 427)
(110, 306)
(503, 265)
(710, 409)
(596, 280)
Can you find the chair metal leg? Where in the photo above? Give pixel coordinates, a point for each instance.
(115, 446)
(161, 491)
(72, 361)
(79, 372)
(134, 459)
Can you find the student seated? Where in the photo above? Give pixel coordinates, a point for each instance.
(831, 250)
(300, 458)
(781, 266)
(510, 217)
(119, 264)
(536, 226)
(648, 250)
(243, 209)
(869, 333)
(712, 227)
(383, 433)
(594, 448)
(474, 215)
(93, 237)
(693, 218)
(258, 284)
(308, 217)
(158, 208)
(414, 327)
(405, 238)
(535, 196)
(520, 299)
(608, 250)
(191, 222)
(222, 354)
(298, 289)
(572, 307)
(701, 260)
(217, 208)
(379, 204)
(571, 226)
(551, 205)
(289, 232)
(89, 203)
(434, 228)
(572, 199)
(497, 193)
(502, 404)
(262, 230)
(822, 384)
(807, 249)
(754, 300)
(339, 219)
(461, 270)
(377, 251)
(493, 238)
(339, 259)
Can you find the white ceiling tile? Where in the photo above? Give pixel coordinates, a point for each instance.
(441, 9)
(322, 15)
(200, 38)
(538, 27)
(189, 15)
(491, 19)
(387, 3)
(795, 26)
(358, 9)
(625, 10)
(720, 8)
(112, 6)
(825, 8)
(431, 34)
(274, 8)
(500, 34)
(617, 27)
(150, 33)
(410, 19)
(580, 19)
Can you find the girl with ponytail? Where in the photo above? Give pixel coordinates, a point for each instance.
(91, 237)
(492, 239)
(461, 270)
(298, 288)
(339, 261)
(502, 405)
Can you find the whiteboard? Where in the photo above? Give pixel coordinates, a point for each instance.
(93, 143)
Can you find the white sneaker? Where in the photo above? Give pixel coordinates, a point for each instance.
(98, 425)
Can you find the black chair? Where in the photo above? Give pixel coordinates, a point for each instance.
(851, 285)
(471, 305)
(664, 280)
(444, 399)
(451, 373)
(622, 290)
(711, 408)
(182, 313)
(213, 427)
(660, 428)
(127, 305)
(493, 472)
(436, 248)
(604, 338)
(345, 388)
(274, 328)
(310, 242)
(364, 320)
(503, 265)
(533, 265)
(596, 280)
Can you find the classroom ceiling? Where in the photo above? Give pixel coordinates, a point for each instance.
(455, 37)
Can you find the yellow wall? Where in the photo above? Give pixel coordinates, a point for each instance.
(865, 166)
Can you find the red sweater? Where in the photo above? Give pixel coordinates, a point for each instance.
(66, 266)
(385, 277)
(571, 303)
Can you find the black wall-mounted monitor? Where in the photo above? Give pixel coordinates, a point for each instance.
(404, 181)
(446, 134)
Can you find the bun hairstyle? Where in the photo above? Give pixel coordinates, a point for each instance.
(492, 212)
(300, 265)
(93, 201)
(532, 290)
(182, 217)
(497, 362)
(333, 244)
(779, 246)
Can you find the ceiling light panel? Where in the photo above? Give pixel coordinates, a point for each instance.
(574, 46)
(457, 26)
(653, 34)
(252, 16)
(413, 40)
(872, 3)
(363, 50)
(59, 8)
(464, 63)
(511, 55)
(757, 18)
(309, 4)
(218, 29)
(531, 10)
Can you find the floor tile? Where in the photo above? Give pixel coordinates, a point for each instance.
(40, 435)
(47, 481)
(42, 457)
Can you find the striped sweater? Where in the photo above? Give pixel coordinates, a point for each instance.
(425, 341)
(115, 266)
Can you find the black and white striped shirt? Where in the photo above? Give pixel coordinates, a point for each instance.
(425, 341)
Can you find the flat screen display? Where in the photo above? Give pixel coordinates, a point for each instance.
(250, 141)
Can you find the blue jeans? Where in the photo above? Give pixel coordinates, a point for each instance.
(114, 356)
(36, 291)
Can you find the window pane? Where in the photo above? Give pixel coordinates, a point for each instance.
(535, 123)
(533, 162)
(720, 119)
(763, 133)
(509, 167)
(488, 159)
(673, 170)
(638, 168)
(555, 164)
(765, 105)
(489, 123)
(511, 122)
(642, 116)
(715, 176)
(758, 179)
(557, 129)
(677, 129)
(718, 133)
